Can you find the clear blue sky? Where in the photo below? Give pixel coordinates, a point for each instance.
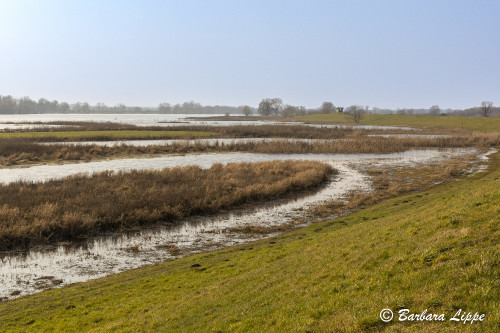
(399, 53)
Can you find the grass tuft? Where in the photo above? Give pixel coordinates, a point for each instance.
(334, 276)
(81, 206)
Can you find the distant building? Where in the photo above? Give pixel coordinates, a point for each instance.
(339, 109)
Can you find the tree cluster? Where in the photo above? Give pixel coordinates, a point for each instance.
(356, 112)
(192, 107)
(25, 105)
(10, 105)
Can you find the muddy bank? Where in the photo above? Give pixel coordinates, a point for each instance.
(22, 272)
(41, 173)
(82, 206)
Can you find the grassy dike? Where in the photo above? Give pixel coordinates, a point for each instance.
(436, 250)
(469, 123)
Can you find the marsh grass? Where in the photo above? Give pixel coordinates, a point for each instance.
(436, 250)
(18, 152)
(81, 206)
(104, 135)
(392, 182)
(111, 131)
(387, 183)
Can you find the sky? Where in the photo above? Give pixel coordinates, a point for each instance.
(376, 53)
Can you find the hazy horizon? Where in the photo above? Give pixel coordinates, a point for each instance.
(386, 54)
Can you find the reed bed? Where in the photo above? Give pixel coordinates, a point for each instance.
(387, 183)
(235, 131)
(393, 182)
(19, 152)
(82, 206)
(65, 126)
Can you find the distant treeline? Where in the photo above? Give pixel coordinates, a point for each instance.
(25, 105)
(436, 111)
(267, 107)
(275, 107)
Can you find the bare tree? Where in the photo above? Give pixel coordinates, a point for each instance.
(246, 110)
(270, 106)
(101, 107)
(8, 104)
(486, 108)
(164, 108)
(64, 107)
(120, 107)
(327, 107)
(277, 106)
(264, 108)
(434, 110)
(356, 112)
(26, 105)
(289, 111)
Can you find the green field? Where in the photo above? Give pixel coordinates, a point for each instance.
(436, 250)
(110, 134)
(470, 123)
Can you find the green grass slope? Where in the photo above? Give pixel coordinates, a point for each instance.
(436, 250)
(470, 123)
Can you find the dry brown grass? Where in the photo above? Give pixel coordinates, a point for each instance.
(390, 183)
(235, 131)
(65, 126)
(16, 152)
(79, 206)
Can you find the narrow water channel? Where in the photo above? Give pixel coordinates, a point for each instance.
(38, 269)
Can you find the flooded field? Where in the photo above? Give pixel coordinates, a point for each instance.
(229, 141)
(207, 142)
(154, 119)
(147, 119)
(40, 173)
(141, 119)
(29, 272)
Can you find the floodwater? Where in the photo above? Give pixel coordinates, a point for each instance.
(40, 173)
(156, 119)
(140, 119)
(38, 269)
(228, 141)
(20, 126)
(207, 142)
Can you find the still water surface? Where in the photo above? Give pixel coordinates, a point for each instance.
(153, 119)
(29, 272)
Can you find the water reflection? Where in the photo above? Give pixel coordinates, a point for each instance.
(207, 142)
(28, 272)
(155, 119)
(40, 173)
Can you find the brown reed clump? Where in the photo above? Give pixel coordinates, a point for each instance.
(14, 152)
(81, 206)
(234, 131)
(390, 183)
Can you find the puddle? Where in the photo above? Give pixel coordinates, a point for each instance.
(29, 272)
